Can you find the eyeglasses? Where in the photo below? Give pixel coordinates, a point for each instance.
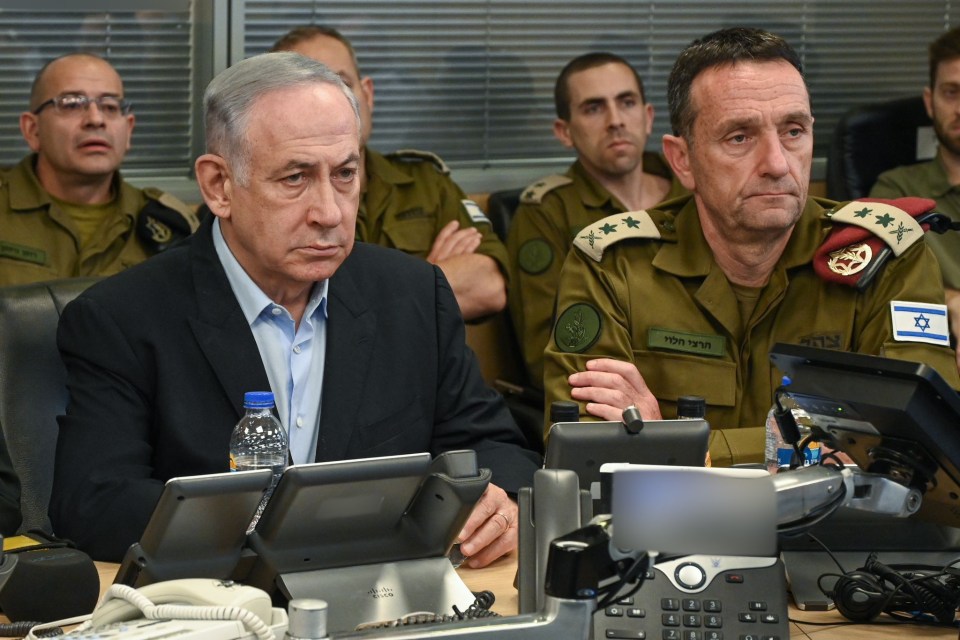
(71, 104)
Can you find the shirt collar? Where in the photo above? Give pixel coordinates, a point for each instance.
(253, 301)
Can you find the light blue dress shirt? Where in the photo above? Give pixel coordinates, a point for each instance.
(293, 356)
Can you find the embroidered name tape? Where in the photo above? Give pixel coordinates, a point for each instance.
(920, 322)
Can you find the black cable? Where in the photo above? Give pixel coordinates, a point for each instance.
(22, 628)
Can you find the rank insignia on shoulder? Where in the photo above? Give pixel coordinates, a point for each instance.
(421, 156)
(893, 225)
(865, 234)
(534, 193)
(920, 322)
(592, 240)
(474, 211)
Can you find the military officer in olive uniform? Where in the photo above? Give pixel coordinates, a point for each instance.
(602, 114)
(409, 202)
(687, 298)
(65, 211)
(940, 177)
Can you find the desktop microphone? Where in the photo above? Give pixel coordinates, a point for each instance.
(49, 584)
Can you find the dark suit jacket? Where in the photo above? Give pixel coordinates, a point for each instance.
(158, 359)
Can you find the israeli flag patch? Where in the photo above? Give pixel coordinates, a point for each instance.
(475, 212)
(920, 322)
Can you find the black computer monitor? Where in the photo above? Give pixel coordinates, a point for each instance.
(585, 446)
(892, 417)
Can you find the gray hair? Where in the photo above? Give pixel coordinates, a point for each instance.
(229, 97)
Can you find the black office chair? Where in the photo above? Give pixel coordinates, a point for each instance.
(33, 388)
(871, 139)
(500, 209)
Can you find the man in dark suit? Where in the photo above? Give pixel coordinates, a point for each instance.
(363, 346)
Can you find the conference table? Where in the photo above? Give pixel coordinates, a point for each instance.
(824, 625)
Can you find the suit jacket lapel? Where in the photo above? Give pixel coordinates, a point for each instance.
(220, 327)
(351, 326)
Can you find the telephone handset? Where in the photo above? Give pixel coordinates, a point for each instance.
(191, 592)
(153, 610)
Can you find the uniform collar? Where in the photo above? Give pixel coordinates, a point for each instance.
(377, 167)
(687, 254)
(30, 195)
(939, 184)
(592, 193)
(595, 196)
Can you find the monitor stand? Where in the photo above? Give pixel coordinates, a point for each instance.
(380, 592)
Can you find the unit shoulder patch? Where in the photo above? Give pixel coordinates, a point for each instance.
(577, 328)
(172, 202)
(534, 192)
(418, 155)
(594, 239)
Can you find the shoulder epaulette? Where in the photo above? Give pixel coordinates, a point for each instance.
(420, 156)
(172, 202)
(594, 239)
(534, 193)
(897, 228)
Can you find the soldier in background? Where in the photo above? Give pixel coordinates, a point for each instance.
(939, 178)
(408, 200)
(602, 114)
(65, 210)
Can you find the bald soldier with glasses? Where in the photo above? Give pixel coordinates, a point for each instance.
(65, 210)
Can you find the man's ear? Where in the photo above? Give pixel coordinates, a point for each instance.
(215, 182)
(30, 129)
(367, 83)
(927, 102)
(677, 152)
(561, 130)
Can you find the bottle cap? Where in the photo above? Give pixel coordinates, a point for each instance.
(258, 400)
(691, 407)
(564, 411)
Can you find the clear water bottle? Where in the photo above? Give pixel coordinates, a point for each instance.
(777, 454)
(259, 441)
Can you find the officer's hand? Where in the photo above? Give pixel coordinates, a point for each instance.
(454, 241)
(491, 530)
(610, 386)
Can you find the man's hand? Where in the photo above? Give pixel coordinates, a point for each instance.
(454, 241)
(610, 386)
(491, 530)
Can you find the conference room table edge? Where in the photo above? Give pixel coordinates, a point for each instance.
(820, 625)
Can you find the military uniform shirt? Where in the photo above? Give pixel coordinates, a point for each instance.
(39, 241)
(665, 305)
(929, 180)
(409, 198)
(551, 212)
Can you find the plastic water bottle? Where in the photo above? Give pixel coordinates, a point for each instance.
(777, 454)
(259, 442)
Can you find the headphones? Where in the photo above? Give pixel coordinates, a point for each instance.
(864, 594)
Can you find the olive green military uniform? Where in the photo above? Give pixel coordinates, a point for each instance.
(664, 304)
(929, 180)
(410, 197)
(551, 213)
(39, 241)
